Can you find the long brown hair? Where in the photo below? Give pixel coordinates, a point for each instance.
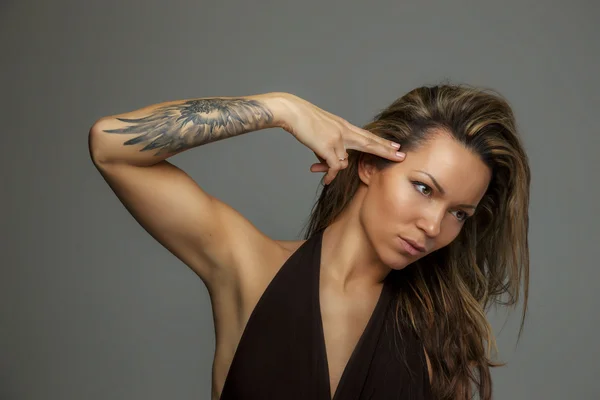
(444, 296)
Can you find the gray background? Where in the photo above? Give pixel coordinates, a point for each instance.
(92, 308)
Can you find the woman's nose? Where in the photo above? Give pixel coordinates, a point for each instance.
(431, 223)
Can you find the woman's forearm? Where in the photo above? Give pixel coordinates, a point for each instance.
(149, 135)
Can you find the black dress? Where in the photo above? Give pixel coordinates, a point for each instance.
(281, 354)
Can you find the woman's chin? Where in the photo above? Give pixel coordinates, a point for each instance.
(398, 261)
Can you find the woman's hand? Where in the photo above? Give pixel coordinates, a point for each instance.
(329, 136)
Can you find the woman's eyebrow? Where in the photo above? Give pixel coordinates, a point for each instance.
(441, 190)
(437, 185)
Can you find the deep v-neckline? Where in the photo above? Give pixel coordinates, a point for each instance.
(272, 358)
(321, 330)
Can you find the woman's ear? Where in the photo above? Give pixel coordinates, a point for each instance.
(366, 168)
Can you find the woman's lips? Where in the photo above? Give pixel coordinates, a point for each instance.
(412, 250)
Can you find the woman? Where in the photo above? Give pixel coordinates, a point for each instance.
(404, 251)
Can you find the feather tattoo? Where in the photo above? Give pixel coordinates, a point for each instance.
(178, 127)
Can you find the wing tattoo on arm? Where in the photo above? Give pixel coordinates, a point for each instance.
(175, 128)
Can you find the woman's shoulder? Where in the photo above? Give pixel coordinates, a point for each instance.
(290, 245)
(261, 262)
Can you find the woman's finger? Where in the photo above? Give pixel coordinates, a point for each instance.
(319, 167)
(382, 150)
(371, 135)
(336, 160)
(367, 142)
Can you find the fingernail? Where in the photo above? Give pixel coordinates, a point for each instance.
(400, 155)
(395, 145)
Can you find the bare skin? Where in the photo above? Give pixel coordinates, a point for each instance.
(232, 257)
(235, 260)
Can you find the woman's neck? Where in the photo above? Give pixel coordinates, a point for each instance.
(348, 256)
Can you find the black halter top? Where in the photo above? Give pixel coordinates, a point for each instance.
(281, 354)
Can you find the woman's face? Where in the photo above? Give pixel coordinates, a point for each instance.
(418, 206)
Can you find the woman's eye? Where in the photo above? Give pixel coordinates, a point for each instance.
(461, 215)
(423, 188)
